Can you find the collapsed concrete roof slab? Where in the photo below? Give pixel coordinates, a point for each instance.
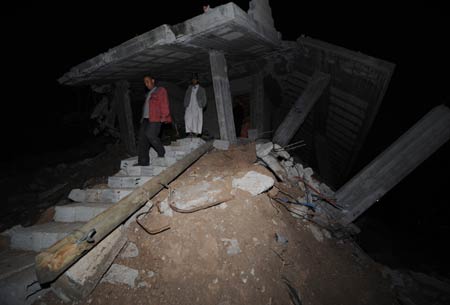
(172, 52)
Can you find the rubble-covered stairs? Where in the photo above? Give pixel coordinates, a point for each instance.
(88, 203)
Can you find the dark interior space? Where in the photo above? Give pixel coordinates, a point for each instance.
(45, 124)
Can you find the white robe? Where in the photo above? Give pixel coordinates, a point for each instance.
(193, 116)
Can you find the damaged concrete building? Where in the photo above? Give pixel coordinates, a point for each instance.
(310, 107)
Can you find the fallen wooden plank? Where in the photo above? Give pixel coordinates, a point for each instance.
(59, 257)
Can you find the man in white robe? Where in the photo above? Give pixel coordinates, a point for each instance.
(194, 102)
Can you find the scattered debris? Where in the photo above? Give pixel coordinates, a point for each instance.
(281, 239)
(164, 208)
(221, 144)
(253, 182)
(191, 198)
(120, 274)
(263, 149)
(316, 232)
(233, 246)
(130, 251)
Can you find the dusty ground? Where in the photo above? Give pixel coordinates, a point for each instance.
(197, 261)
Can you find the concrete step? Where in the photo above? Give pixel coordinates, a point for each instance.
(143, 171)
(122, 181)
(176, 154)
(192, 142)
(99, 195)
(39, 237)
(172, 152)
(163, 162)
(78, 212)
(179, 147)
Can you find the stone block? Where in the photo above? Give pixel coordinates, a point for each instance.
(39, 237)
(82, 277)
(221, 144)
(126, 181)
(77, 212)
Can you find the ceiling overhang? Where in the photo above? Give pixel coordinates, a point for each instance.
(171, 53)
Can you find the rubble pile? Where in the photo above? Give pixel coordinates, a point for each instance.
(314, 195)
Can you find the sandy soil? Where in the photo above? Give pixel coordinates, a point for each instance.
(229, 254)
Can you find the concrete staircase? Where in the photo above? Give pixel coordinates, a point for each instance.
(17, 261)
(88, 203)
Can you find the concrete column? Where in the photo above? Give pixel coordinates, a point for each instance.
(297, 115)
(257, 103)
(222, 96)
(396, 162)
(123, 107)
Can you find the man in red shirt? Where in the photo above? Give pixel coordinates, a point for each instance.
(155, 112)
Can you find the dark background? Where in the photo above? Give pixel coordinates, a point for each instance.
(408, 227)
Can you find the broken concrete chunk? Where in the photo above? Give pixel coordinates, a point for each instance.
(280, 238)
(253, 182)
(130, 251)
(200, 195)
(165, 209)
(316, 232)
(82, 277)
(252, 134)
(275, 166)
(120, 274)
(77, 195)
(263, 149)
(233, 246)
(221, 144)
(279, 151)
(326, 190)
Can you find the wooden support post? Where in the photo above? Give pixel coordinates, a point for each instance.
(59, 257)
(395, 163)
(222, 96)
(257, 103)
(123, 105)
(301, 108)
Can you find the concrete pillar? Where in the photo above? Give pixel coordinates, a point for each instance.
(222, 96)
(297, 115)
(396, 162)
(257, 103)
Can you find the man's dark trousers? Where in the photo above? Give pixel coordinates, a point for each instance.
(149, 136)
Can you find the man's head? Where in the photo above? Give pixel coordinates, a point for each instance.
(149, 82)
(194, 79)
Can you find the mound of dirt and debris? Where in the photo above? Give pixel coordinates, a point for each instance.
(246, 249)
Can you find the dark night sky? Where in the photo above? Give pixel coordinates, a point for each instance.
(40, 43)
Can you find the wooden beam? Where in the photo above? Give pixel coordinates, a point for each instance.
(59, 257)
(298, 113)
(395, 163)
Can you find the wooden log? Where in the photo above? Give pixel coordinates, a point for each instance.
(59, 257)
(298, 113)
